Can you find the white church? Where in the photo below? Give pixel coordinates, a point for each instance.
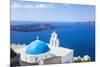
(39, 52)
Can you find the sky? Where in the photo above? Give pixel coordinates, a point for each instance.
(51, 12)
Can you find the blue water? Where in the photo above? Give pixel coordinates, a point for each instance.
(77, 36)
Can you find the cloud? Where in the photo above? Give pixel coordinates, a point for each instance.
(41, 6)
(16, 5)
(66, 4)
(29, 6)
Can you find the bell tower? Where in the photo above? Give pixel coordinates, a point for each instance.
(54, 41)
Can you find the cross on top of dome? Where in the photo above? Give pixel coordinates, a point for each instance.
(37, 37)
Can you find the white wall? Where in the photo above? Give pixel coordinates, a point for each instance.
(31, 58)
(67, 58)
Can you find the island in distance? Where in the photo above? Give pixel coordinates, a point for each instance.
(34, 27)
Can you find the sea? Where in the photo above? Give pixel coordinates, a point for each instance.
(79, 36)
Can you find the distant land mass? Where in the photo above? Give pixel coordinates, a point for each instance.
(34, 27)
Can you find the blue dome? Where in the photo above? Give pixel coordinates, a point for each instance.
(37, 47)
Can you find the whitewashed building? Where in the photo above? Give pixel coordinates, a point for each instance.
(40, 52)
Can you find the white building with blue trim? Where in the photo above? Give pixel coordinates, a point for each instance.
(43, 53)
